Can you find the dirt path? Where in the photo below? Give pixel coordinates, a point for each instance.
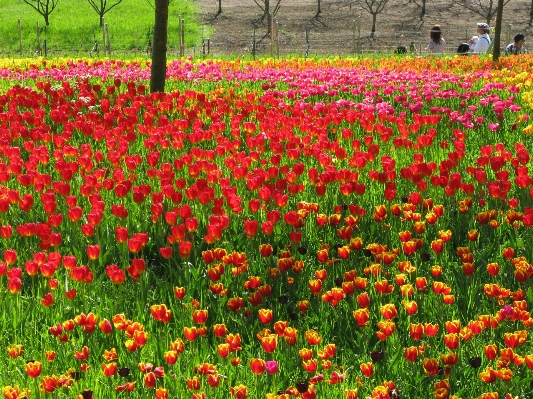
(332, 32)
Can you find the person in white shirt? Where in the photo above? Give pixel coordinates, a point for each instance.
(483, 41)
(436, 43)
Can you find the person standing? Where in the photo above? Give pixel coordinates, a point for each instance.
(483, 41)
(436, 43)
(516, 47)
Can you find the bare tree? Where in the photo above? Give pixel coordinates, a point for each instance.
(159, 53)
(43, 7)
(422, 6)
(219, 7)
(152, 3)
(102, 7)
(373, 7)
(484, 8)
(270, 9)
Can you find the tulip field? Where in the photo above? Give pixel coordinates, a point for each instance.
(335, 228)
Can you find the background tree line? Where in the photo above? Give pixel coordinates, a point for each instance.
(268, 9)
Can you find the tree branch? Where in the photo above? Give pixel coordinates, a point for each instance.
(32, 6)
(262, 7)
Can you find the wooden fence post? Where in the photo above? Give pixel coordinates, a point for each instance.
(108, 42)
(103, 38)
(38, 39)
(272, 39)
(181, 35)
(508, 35)
(20, 36)
(306, 54)
(353, 38)
(254, 48)
(356, 35)
(277, 41)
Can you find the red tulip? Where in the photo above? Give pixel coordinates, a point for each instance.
(115, 274)
(191, 333)
(84, 354)
(411, 353)
(250, 228)
(489, 375)
(34, 368)
(171, 356)
(150, 380)
(47, 300)
(134, 245)
(367, 369)
(31, 267)
(257, 366)
(166, 252)
(93, 252)
(431, 366)
(265, 316)
(219, 330)
(416, 331)
(75, 214)
(409, 247)
(179, 292)
(161, 313)
(109, 369)
(14, 285)
(185, 248)
(10, 256)
(491, 351)
(269, 342)
(200, 316)
(127, 387)
(6, 232)
(191, 224)
(15, 350)
(105, 326)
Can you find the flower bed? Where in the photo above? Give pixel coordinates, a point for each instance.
(267, 229)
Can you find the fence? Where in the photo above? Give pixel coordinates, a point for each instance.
(347, 42)
(275, 42)
(27, 40)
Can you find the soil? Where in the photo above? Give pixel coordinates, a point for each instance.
(333, 31)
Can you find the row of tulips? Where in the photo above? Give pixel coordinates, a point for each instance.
(267, 229)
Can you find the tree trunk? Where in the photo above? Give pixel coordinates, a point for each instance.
(531, 10)
(374, 17)
(159, 52)
(318, 11)
(219, 7)
(423, 11)
(268, 15)
(496, 48)
(47, 12)
(101, 19)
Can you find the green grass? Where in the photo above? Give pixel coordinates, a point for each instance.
(74, 26)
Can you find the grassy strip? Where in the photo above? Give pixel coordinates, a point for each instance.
(74, 26)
